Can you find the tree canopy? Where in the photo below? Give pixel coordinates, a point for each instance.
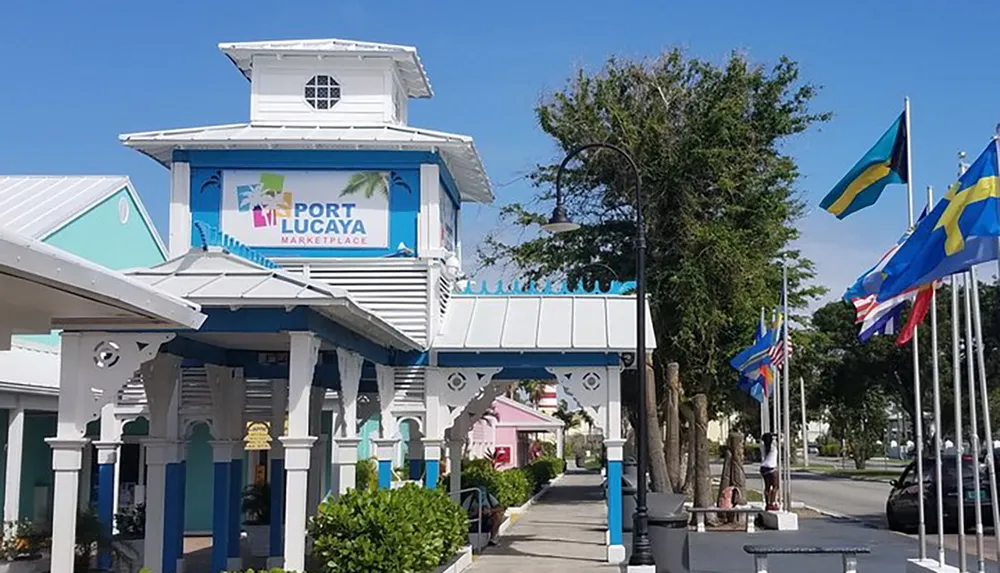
(719, 198)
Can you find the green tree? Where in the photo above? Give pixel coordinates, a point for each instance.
(719, 200)
(367, 183)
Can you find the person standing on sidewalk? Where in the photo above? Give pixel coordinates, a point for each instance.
(769, 470)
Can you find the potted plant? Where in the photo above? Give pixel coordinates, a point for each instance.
(256, 505)
(131, 537)
(21, 541)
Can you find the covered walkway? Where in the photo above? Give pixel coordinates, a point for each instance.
(564, 531)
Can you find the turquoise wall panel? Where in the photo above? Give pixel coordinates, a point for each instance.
(36, 467)
(369, 430)
(100, 236)
(198, 494)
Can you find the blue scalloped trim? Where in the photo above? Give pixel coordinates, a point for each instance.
(548, 288)
(212, 237)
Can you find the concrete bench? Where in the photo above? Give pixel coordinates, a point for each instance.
(849, 554)
(749, 510)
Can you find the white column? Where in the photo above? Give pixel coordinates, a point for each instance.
(179, 239)
(385, 377)
(298, 445)
(15, 457)
(317, 454)
(614, 445)
(160, 380)
(560, 442)
(67, 455)
(349, 364)
(159, 453)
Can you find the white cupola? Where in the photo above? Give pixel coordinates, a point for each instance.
(329, 82)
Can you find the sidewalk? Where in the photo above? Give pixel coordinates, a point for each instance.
(563, 531)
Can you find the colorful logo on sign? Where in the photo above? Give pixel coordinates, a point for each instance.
(266, 201)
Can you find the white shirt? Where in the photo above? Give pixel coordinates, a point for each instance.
(771, 458)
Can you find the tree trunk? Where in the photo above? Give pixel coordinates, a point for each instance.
(687, 447)
(654, 445)
(703, 477)
(673, 415)
(724, 479)
(737, 478)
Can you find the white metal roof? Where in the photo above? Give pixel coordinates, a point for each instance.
(214, 277)
(38, 205)
(586, 323)
(29, 367)
(459, 151)
(45, 288)
(407, 62)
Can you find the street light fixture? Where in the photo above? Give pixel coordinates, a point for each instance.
(642, 551)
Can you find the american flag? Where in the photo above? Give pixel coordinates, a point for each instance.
(777, 352)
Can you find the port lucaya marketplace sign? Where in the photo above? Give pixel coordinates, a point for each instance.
(322, 209)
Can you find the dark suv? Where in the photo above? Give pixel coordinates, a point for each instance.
(901, 509)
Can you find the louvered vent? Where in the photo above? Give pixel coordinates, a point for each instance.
(445, 289)
(133, 393)
(195, 395)
(396, 291)
(258, 404)
(410, 382)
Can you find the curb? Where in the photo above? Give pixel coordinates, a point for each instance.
(514, 513)
(848, 477)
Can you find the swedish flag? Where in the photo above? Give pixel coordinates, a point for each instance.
(960, 232)
(885, 163)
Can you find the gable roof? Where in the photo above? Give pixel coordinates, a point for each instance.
(538, 419)
(458, 151)
(36, 206)
(411, 70)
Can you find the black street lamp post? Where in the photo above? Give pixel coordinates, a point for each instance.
(642, 552)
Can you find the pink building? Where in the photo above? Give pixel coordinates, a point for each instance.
(511, 432)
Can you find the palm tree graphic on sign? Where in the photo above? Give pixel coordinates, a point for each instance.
(367, 183)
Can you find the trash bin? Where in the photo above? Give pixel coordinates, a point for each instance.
(668, 534)
(628, 505)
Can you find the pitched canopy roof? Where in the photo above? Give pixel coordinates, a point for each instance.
(45, 288)
(458, 151)
(576, 323)
(38, 205)
(411, 70)
(213, 277)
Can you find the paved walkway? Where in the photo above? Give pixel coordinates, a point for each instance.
(563, 531)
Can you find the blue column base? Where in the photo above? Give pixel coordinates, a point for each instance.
(384, 474)
(277, 543)
(615, 502)
(416, 467)
(432, 468)
(171, 515)
(105, 508)
(220, 517)
(235, 506)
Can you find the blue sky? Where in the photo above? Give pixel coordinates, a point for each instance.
(79, 73)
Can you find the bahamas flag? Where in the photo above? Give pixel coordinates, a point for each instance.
(961, 231)
(885, 163)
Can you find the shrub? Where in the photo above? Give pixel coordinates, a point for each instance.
(511, 487)
(548, 449)
(543, 470)
(384, 531)
(830, 450)
(366, 476)
(477, 464)
(131, 522)
(713, 449)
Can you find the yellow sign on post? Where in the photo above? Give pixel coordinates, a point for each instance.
(258, 436)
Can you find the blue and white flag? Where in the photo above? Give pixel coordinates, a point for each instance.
(870, 282)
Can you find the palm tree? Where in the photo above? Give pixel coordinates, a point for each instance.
(533, 391)
(367, 182)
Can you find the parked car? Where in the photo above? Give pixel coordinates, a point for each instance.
(902, 507)
(813, 449)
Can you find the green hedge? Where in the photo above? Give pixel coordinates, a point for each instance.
(511, 487)
(411, 529)
(830, 450)
(543, 470)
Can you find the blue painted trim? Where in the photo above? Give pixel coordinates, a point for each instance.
(220, 517)
(615, 502)
(385, 474)
(171, 516)
(211, 237)
(206, 199)
(416, 468)
(523, 373)
(530, 288)
(105, 508)
(277, 507)
(431, 470)
(526, 359)
(181, 499)
(235, 503)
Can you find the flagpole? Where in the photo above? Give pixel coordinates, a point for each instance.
(805, 430)
(785, 401)
(973, 418)
(956, 379)
(987, 427)
(936, 382)
(918, 413)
